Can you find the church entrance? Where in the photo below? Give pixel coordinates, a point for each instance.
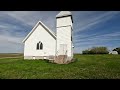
(63, 49)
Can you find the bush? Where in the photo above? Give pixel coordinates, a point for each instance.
(96, 50)
(85, 52)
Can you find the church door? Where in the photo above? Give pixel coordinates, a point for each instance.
(63, 49)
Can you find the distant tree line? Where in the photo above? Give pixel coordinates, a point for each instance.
(96, 50)
(99, 50)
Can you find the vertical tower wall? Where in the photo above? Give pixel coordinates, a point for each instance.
(64, 34)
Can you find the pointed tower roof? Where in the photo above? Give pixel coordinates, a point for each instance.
(64, 13)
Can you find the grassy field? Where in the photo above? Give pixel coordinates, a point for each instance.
(12, 66)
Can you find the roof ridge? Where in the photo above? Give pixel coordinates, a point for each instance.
(47, 27)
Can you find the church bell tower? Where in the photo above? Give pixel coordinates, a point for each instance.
(64, 26)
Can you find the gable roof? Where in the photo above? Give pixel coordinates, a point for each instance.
(64, 13)
(44, 26)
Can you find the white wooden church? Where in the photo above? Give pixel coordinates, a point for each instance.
(42, 43)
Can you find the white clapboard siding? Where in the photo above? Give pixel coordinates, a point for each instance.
(40, 34)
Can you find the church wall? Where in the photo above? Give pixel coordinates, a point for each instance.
(40, 34)
(37, 57)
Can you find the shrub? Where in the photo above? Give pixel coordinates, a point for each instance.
(96, 50)
(85, 52)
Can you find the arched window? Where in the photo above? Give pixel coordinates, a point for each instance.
(39, 46)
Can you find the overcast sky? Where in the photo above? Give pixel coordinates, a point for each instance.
(91, 28)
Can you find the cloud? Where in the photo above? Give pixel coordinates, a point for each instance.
(109, 36)
(10, 39)
(10, 44)
(27, 17)
(89, 24)
(87, 36)
(94, 21)
(32, 17)
(15, 25)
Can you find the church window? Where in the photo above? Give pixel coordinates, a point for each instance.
(39, 46)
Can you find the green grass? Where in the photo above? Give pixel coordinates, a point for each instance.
(85, 67)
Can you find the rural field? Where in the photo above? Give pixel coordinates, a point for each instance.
(13, 66)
